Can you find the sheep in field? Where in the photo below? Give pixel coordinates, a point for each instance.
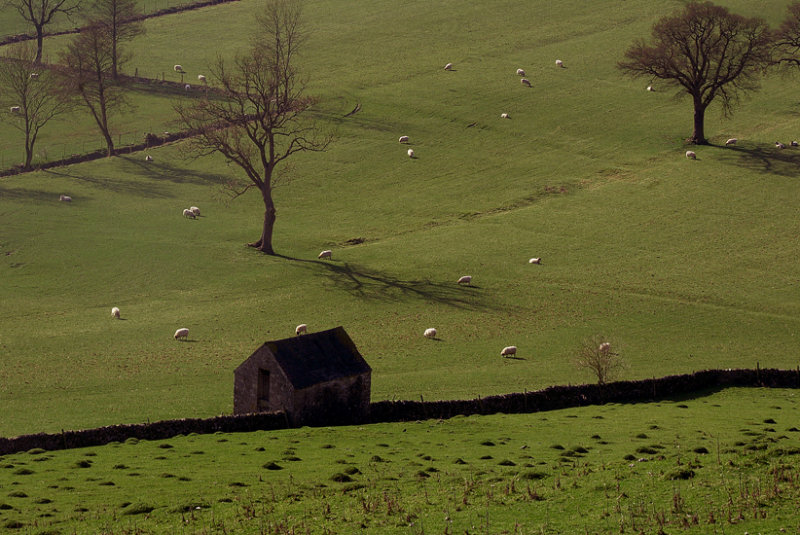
(448, 67)
(650, 88)
(188, 213)
(403, 139)
(520, 72)
(691, 155)
(430, 333)
(604, 348)
(732, 141)
(178, 68)
(34, 75)
(327, 253)
(148, 158)
(187, 87)
(115, 312)
(195, 210)
(15, 109)
(410, 153)
(535, 261)
(182, 333)
(201, 78)
(559, 63)
(526, 82)
(301, 329)
(508, 351)
(780, 145)
(504, 116)
(794, 143)
(65, 198)
(466, 279)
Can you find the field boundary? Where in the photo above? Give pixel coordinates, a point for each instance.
(551, 398)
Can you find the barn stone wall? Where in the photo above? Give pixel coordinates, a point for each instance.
(341, 401)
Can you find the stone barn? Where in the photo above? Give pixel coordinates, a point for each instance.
(318, 379)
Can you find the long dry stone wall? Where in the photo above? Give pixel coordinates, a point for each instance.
(556, 397)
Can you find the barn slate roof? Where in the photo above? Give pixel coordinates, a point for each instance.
(318, 357)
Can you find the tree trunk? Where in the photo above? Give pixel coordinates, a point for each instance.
(39, 42)
(265, 243)
(109, 142)
(698, 135)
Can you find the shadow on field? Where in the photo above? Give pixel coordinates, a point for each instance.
(30, 194)
(766, 159)
(373, 284)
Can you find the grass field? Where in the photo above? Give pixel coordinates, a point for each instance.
(723, 462)
(685, 264)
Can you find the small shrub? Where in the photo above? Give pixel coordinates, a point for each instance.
(597, 356)
(630, 457)
(138, 509)
(341, 478)
(680, 473)
(352, 471)
(84, 463)
(646, 450)
(534, 475)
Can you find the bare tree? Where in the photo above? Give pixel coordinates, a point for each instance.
(88, 62)
(597, 355)
(40, 13)
(122, 19)
(706, 52)
(257, 119)
(32, 91)
(787, 38)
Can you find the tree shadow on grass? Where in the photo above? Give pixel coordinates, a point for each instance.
(768, 160)
(366, 283)
(29, 194)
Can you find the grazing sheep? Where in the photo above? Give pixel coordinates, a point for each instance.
(732, 141)
(410, 153)
(301, 329)
(526, 82)
(559, 63)
(403, 139)
(34, 75)
(178, 68)
(182, 333)
(604, 348)
(195, 210)
(508, 351)
(148, 158)
(794, 143)
(65, 198)
(327, 253)
(201, 77)
(650, 88)
(535, 261)
(187, 87)
(520, 72)
(448, 67)
(115, 312)
(430, 333)
(15, 109)
(466, 279)
(504, 116)
(780, 145)
(188, 213)
(691, 155)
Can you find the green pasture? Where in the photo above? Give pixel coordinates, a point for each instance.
(685, 265)
(723, 462)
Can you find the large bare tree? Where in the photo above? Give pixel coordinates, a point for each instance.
(88, 75)
(40, 13)
(706, 52)
(32, 92)
(122, 19)
(787, 38)
(258, 116)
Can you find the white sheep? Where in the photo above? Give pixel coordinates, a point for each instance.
(148, 158)
(691, 155)
(780, 145)
(195, 210)
(448, 67)
(466, 279)
(15, 109)
(504, 116)
(34, 75)
(650, 88)
(604, 348)
(327, 253)
(508, 351)
(201, 78)
(559, 63)
(187, 87)
(520, 72)
(178, 68)
(526, 82)
(794, 144)
(115, 312)
(65, 198)
(188, 213)
(430, 333)
(536, 260)
(732, 141)
(301, 329)
(182, 333)
(410, 153)
(403, 139)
